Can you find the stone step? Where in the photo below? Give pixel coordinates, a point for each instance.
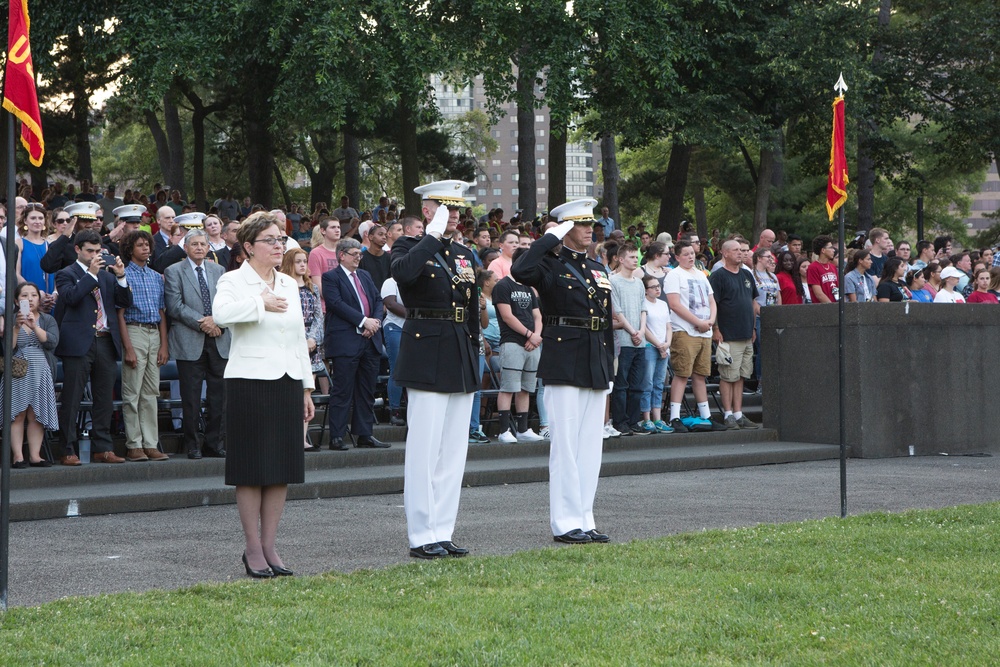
(384, 478)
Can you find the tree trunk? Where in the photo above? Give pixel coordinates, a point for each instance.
(778, 166)
(80, 107)
(609, 173)
(283, 187)
(408, 161)
(700, 212)
(259, 142)
(325, 145)
(527, 193)
(764, 172)
(674, 187)
(175, 143)
(868, 128)
(160, 140)
(39, 179)
(352, 170)
(557, 164)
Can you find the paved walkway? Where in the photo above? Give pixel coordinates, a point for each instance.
(177, 548)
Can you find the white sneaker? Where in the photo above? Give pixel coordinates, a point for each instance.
(611, 430)
(546, 433)
(507, 438)
(529, 436)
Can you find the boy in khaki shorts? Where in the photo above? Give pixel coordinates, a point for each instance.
(692, 316)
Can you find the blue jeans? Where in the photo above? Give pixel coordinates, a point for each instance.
(391, 334)
(474, 420)
(628, 386)
(656, 373)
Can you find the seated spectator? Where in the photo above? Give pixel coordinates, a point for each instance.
(658, 337)
(982, 292)
(916, 281)
(890, 285)
(801, 270)
(789, 285)
(520, 320)
(859, 286)
(295, 263)
(33, 398)
(950, 277)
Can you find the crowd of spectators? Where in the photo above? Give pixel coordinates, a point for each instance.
(683, 311)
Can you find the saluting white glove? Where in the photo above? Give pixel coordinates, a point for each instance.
(562, 229)
(438, 223)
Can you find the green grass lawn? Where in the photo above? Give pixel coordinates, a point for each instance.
(880, 589)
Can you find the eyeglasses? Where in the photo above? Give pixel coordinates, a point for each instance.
(271, 240)
(353, 253)
(653, 287)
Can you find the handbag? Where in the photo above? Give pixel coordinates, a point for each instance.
(18, 367)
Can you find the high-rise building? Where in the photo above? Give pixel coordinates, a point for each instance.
(987, 200)
(496, 176)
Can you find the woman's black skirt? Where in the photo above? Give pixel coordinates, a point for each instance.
(264, 443)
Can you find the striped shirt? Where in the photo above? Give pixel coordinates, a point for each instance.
(147, 294)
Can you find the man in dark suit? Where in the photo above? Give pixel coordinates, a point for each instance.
(438, 364)
(89, 343)
(200, 347)
(166, 220)
(353, 340)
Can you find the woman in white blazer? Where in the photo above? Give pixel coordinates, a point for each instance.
(269, 383)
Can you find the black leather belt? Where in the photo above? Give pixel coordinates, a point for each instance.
(590, 323)
(102, 334)
(144, 325)
(453, 314)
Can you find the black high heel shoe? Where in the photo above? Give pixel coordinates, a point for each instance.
(280, 571)
(266, 573)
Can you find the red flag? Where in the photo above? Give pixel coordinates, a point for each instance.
(836, 187)
(19, 94)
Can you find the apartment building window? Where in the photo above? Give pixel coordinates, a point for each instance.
(482, 178)
(481, 192)
(497, 177)
(541, 191)
(515, 192)
(513, 162)
(496, 134)
(541, 133)
(540, 162)
(539, 118)
(514, 177)
(513, 149)
(497, 192)
(496, 163)
(513, 119)
(540, 148)
(513, 133)
(541, 176)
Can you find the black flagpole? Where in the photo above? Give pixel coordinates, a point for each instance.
(8, 344)
(842, 326)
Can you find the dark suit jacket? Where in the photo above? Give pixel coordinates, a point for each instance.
(159, 245)
(437, 355)
(343, 313)
(76, 309)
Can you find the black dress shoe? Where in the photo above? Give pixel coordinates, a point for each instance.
(597, 537)
(194, 453)
(280, 571)
(452, 549)
(19, 464)
(40, 464)
(575, 536)
(428, 552)
(266, 573)
(369, 442)
(338, 445)
(397, 420)
(214, 453)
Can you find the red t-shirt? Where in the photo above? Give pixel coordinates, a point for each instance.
(824, 275)
(982, 297)
(789, 295)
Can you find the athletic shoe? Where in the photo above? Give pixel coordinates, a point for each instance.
(716, 426)
(746, 423)
(478, 437)
(647, 426)
(611, 430)
(546, 433)
(731, 423)
(507, 438)
(662, 427)
(624, 429)
(678, 426)
(529, 436)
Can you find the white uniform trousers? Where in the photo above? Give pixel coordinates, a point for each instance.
(576, 422)
(437, 441)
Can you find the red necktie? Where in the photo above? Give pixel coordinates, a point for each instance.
(361, 293)
(102, 321)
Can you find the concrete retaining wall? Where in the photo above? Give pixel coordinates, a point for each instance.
(920, 374)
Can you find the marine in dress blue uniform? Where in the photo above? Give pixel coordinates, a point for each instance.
(577, 364)
(438, 363)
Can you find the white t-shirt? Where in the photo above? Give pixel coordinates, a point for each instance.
(657, 319)
(389, 288)
(944, 296)
(695, 292)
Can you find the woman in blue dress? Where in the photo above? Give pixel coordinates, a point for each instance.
(33, 398)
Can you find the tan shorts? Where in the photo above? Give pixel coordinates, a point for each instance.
(690, 355)
(742, 366)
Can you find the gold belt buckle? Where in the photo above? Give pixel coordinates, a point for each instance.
(459, 314)
(595, 324)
